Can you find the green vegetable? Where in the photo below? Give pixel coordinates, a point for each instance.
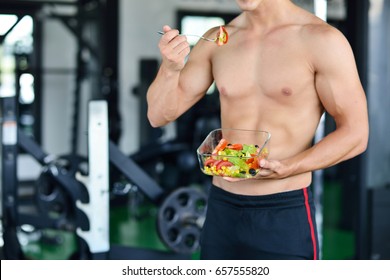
(251, 149)
(239, 162)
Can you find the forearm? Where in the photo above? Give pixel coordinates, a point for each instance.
(342, 144)
(163, 97)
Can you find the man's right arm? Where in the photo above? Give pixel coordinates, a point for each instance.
(178, 85)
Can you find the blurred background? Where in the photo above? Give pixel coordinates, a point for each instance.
(58, 56)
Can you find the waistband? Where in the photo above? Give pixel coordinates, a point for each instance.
(282, 199)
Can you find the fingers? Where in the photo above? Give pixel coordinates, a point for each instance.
(180, 44)
(174, 48)
(169, 34)
(269, 164)
(267, 169)
(166, 28)
(265, 173)
(171, 37)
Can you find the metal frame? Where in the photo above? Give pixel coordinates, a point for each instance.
(14, 141)
(97, 183)
(102, 44)
(90, 194)
(357, 23)
(9, 203)
(130, 169)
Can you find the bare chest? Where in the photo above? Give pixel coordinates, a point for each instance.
(275, 69)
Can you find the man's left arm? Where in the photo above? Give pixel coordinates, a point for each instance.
(341, 93)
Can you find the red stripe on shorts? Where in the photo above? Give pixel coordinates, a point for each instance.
(310, 220)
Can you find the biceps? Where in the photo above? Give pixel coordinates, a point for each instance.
(195, 80)
(342, 95)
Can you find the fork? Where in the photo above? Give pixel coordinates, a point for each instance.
(200, 37)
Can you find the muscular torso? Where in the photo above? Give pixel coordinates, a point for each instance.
(266, 82)
(281, 69)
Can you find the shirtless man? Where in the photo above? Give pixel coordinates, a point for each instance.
(280, 70)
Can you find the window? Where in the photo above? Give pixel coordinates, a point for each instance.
(16, 72)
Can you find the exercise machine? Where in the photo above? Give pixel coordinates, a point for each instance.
(77, 200)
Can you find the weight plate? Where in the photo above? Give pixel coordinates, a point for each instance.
(55, 203)
(180, 219)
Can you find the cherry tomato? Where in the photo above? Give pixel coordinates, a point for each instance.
(223, 163)
(222, 36)
(221, 145)
(209, 162)
(255, 163)
(237, 147)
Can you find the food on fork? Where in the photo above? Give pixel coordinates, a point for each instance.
(221, 39)
(222, 36)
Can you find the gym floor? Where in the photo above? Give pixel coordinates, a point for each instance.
(135, 226)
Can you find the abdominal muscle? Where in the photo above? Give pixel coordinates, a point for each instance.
(267, 186)
(292, 130)
(270, 87)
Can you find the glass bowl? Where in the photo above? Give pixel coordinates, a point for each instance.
(233, 153)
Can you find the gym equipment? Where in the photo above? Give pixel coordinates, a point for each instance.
(320, 10)
(188, 210)
(11, 248)
(74, 197)
(379, 242)
(180, 218)
(53, 207)
(97, 183)
(57, 188)
(187, 205)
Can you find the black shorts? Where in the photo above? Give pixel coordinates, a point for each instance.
(278, 226)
